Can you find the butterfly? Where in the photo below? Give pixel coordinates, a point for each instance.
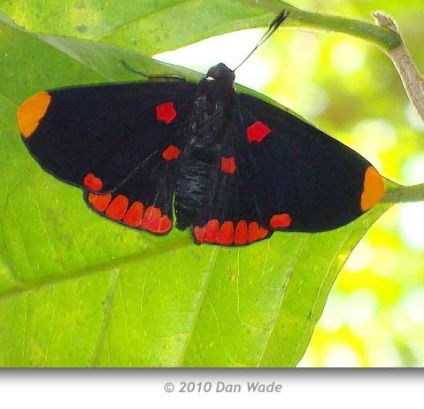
(229, 166)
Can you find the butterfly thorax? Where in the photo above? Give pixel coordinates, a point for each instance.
(207, 133)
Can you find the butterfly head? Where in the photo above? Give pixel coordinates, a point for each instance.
(221, 73)
(218, 85)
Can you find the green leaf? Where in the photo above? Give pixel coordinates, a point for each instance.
(78, 290)
(152, 27)
(145, 26)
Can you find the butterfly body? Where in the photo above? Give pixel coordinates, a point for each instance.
(208, 136)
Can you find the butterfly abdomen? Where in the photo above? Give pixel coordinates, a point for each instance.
(193, 189)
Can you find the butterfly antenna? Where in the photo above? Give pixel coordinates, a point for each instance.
(152, 77)
(272, 27)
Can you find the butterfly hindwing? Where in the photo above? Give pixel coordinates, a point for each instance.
(241, 209)
(144, 200)
(236, 219)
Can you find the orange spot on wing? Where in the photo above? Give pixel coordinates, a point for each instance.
(134, 214)
(373, 189)
(257, 132)
(92, 182)
(228, 165)
(31, 112)
(280, 221)
(117, 208)
(171, 153)
(166, 112)
(99, 202)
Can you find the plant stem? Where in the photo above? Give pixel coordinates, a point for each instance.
(402, 194)
(412, 79)
(379, 35)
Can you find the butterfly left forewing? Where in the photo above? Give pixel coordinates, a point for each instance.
(95, 136)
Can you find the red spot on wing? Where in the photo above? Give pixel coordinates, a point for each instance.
(99, 202)
(256, 232)
(151, 218)
(211, 231)
(92, 182)
(117, 208)
(171, 153)
(241, 234)
(228, 165)
(226, 234)
(166, 112)
(199, 233)
(134, 214)
(155, 222)
(207, 233)
(280, 221)
(257, 132)
(165, 224)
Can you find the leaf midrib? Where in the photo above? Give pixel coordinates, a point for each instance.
(101, 268)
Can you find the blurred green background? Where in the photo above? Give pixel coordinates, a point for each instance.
(374, 316)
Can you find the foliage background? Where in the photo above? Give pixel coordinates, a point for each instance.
(375, 313)
(349, 88)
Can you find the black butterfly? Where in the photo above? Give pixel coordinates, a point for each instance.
(230, 166)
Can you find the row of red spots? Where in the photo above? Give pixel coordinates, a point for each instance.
(136, 215)
(240, 233)
(229, 233)
(166, 112)
(257, 132)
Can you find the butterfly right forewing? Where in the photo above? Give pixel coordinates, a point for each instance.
(300, 171)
